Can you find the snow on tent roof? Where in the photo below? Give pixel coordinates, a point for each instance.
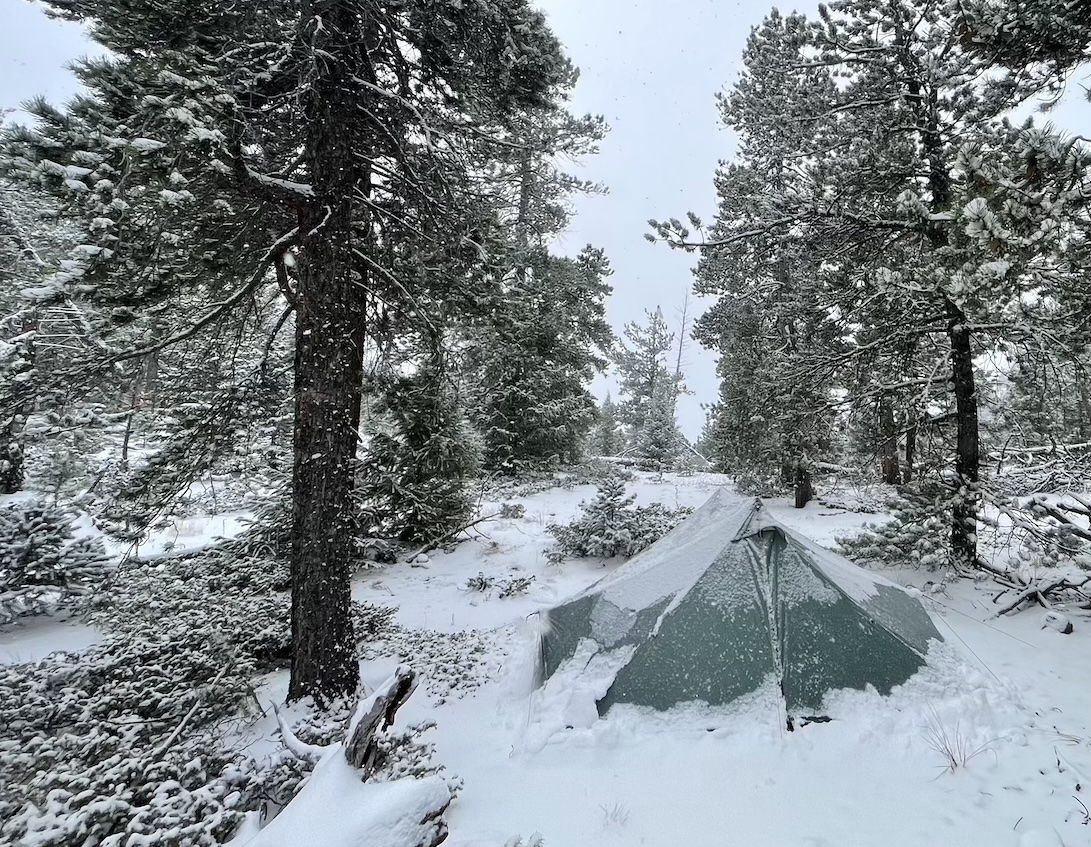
(729, 601)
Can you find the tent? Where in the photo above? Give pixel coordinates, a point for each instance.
(730, 601)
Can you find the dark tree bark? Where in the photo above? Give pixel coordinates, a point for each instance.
(330, 337)
(967, 455)
(11, 459)
(804, 489)
(967, 458)
(361, 749)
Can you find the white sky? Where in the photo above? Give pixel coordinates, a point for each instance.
(651, 67)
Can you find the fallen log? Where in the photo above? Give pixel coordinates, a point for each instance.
(338, 808)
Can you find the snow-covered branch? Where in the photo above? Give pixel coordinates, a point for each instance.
(312, 753)
(257, 278)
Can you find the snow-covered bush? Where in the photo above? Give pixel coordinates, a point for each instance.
(480, 583)
(1034, 532)
(611, 525)
(111, 747)
(591, 472)
(514, 585)
(121, 745)
(449, 664)
(218, 595)
(917, 536)
(506, 587)
(512, 511)
(42, 562)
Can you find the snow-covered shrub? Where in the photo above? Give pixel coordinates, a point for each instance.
(1035, 532)
(512, 511)
(449, 664)
(591, 472)
(507, 587)
(219, 594)
(42, 562)
(514, 585)
(64, 453)
(480, 583)
(111, 747)
(611, 525)
(121, 745)
(917, 536)
(687, 463)
(404, 754)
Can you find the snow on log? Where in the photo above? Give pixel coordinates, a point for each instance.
(337, 808)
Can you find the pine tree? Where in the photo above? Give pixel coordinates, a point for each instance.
(314, 146)
(534, 363)
(649, 387)
(35, 339)
(531, 355)
(607, 440)
(42, 562)
(910, 200)
(416, 469)
(659, 442)
(1041, 40)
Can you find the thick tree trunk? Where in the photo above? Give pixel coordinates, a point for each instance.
(967, 457)
(330, 336)
(804, 489)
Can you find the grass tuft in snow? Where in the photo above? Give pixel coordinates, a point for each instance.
(956, 750)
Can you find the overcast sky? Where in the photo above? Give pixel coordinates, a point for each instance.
(650, 67)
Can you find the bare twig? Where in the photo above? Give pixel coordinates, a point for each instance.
(435, 542)
(1036, 591)
(162, 748)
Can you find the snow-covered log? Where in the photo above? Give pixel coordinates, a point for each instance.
(337, 808)
(375, 715)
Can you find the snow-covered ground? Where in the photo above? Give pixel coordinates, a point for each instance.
(182, 536)
(35, 638)
(1009, 699)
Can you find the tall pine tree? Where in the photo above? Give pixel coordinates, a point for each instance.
(314, 145)
(928, 220)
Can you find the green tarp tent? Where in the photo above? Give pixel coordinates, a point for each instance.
(730, 601)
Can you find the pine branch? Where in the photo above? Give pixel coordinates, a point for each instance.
(277, 250)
